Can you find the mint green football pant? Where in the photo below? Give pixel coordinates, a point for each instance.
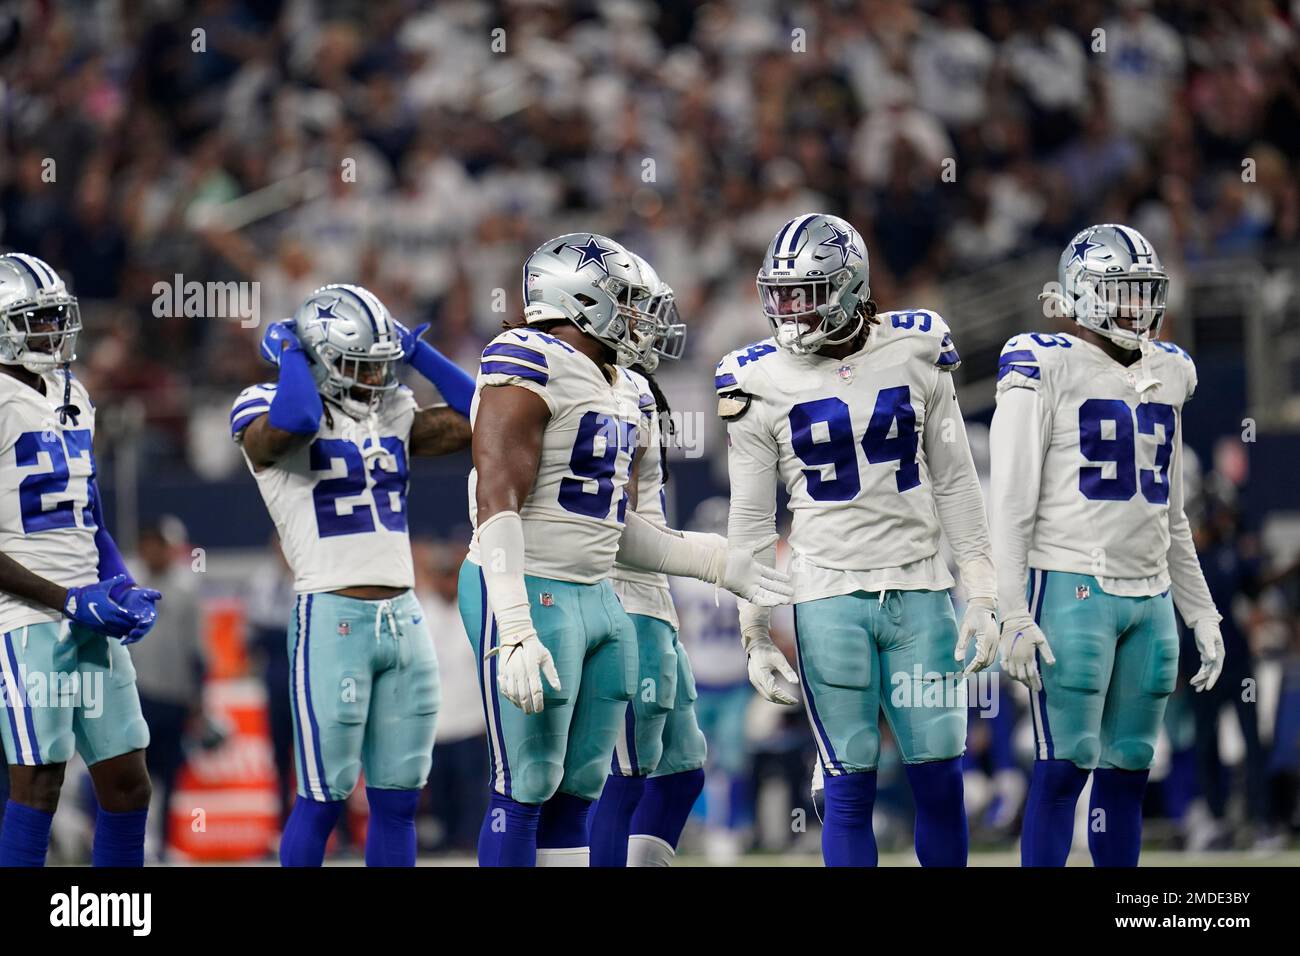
(363, 684)
(67, 689)
(660, 735)
(568, 746)
(858, 655)
(1103, 701)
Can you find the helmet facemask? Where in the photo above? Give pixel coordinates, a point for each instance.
(1127, 309)
(41, 334)
(357, 382)
(805, 311)
(633, 331)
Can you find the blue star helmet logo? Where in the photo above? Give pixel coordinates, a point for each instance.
(1081, 249)
(842, 241)
(326, 312)
(589, 252)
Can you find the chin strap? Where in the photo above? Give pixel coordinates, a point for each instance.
(67, 409)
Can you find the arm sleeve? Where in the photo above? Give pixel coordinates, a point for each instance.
(647, 546)
(111, 563)
(1017, 443)
(1191, 593)
(957, 494)
(453, 383)
(296, 407)
(751, 524)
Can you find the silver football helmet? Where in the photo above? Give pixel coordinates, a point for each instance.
(352, 345)
(670, 339)
(814, 280)
(39, 319)
(595, 283)
(1111, 281)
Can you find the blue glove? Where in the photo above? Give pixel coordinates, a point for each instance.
(92, 606)
(140, 602)
(455, 385)
(275, 337)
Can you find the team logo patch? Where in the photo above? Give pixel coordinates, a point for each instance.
(547, 599)
(345, 628)
(845, 372)
(1082, 592)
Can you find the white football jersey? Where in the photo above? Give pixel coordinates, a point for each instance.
(340, 506)
(573, 518)
(1108, 453)
(46, 469)
(646, 592)
(864, 446)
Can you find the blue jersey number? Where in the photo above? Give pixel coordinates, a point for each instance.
(389, 487)
(1107, 437)
(594, 458)
(36, 489)
(837, 448)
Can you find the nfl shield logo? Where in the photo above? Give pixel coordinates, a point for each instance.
(845, 372)
(1082, 592)
(345, 628)
(547, 600)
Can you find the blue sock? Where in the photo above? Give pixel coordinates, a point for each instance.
(612, 818)
(119, 838)
(390, 835)
(847, 837)
(1049, 812)
(941, 835)
(509, 833)
(666, 804)
(1116, 839)
(563, 822)
(455, 385)
(25, 835)
(310, 824)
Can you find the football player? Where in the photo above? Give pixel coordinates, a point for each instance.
(657, 771)
(67, 602)
(856, 413)
(1090, 535)
(555, 416)
(329, 446)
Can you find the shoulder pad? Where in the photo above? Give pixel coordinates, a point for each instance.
(1179, 358)
(1026, 357)
(645, 397)
(251, 403)
(734, 371)
(933, 337)
(522, 354)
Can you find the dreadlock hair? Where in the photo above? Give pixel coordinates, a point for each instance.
(667, 429)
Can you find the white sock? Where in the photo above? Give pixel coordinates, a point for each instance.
(567, 856)
(646, 850)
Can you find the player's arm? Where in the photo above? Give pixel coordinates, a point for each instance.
(1191, 593)
(452, 382)
(1018, 441)
(959, 502)
(90, 606)
(507, 450)
(293, 416)
(439, 430)
(138, 601)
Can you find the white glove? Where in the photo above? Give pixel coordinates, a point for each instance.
(1209, 641)
(753, 581)
(1021, 637)
(981, 623)
(765, 662)
(522, 661)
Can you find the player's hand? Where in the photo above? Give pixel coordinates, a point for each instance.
(410, 339)
(765, 662)
(1022, 642)
(1209, 641)
(277, 337)
(522, 660)
(92, 606)
(140, 602)
(981, 623)
(753, 581)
